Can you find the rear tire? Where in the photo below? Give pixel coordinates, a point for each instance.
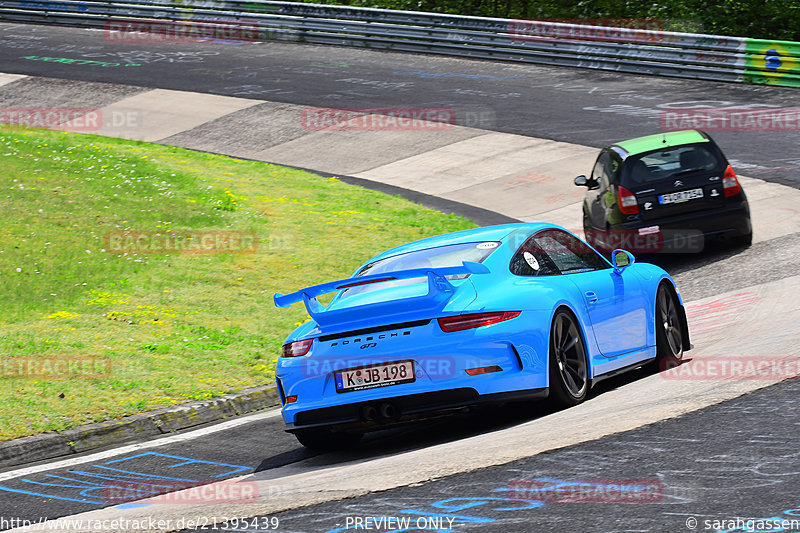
(669, 329)
(322, 439)
(568, 369)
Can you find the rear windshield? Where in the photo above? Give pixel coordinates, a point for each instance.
(671, 163)
(441, 256)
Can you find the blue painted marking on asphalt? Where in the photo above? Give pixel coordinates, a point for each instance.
(186, 461)
(135, 474)
(18, 491)
(83, 486)
(461, 518)
(532, 504)
(87, 487)
(111, 477)
(558, 484)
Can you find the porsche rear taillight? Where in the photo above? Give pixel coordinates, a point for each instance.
(297, 348)
(474, 320)
(627, 201)
(729, 182)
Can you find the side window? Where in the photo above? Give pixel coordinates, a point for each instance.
(530, 260)
(568, 253)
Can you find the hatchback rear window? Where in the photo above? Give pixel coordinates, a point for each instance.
(671, 163)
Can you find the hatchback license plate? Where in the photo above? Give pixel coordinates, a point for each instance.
(370, 377)
(680, 196)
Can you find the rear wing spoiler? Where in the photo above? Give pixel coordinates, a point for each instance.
(438, 288)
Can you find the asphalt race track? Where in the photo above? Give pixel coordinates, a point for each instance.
(737, 459)
(697, 449)
(513, 98)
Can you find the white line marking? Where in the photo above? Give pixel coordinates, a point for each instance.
(140, 446)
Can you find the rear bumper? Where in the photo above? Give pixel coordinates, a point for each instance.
(441, 360)
(406, 409)
(687, 233)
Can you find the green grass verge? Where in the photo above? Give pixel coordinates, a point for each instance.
(173, 327)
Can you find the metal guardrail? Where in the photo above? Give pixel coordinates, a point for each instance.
(640, 51)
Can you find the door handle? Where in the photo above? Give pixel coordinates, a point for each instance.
(591, 297)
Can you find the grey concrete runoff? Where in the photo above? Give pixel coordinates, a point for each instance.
(137, 427)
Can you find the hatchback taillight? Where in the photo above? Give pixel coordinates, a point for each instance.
(729, 182)
(475, 320)
(297, 348)
(627, 201)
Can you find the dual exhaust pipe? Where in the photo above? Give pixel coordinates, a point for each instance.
(379, 413)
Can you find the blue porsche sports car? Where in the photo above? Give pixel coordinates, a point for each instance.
(492, 314)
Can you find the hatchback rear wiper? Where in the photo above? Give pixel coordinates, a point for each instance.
(687, 171)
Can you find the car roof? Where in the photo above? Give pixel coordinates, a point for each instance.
(488, 233)
(660, 140)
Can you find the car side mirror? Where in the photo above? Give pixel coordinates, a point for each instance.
(583, 181)
(621, 259)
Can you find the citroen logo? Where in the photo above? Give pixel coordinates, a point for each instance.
(678, 183)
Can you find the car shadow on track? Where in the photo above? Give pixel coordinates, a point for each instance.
(477, 421)
(299, 453)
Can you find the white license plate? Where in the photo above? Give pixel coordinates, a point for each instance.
(680, 196)
(370, 377)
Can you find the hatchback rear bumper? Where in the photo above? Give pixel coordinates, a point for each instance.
(686, 233)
